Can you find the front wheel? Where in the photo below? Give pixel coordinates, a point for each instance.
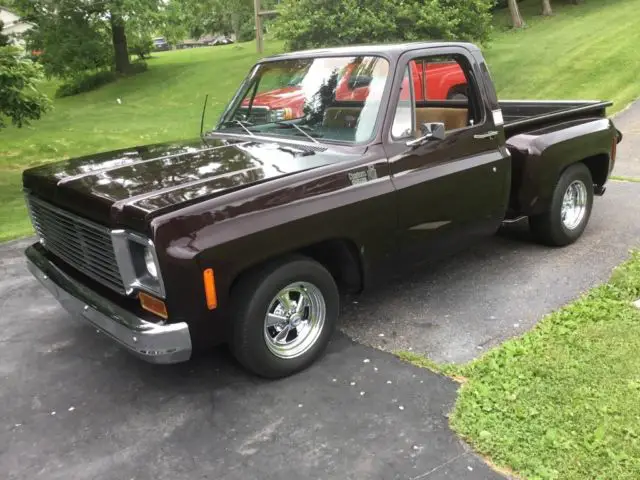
(284, 316)
(570, 209)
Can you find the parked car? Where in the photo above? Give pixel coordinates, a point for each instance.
(221, 41)
(251, 233)
(160, 44)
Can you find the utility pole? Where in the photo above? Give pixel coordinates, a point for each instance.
(258, 18)
(256, 7)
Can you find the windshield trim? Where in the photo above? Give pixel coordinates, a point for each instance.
(302, 142)
(382, 108)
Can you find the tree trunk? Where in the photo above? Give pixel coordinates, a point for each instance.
(516, 18)
(120, 48)
(546, 8)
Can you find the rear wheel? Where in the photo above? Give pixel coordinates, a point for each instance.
(285, 314)
(459, 92)
(569, 211)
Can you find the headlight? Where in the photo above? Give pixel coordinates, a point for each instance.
(137, 263)
(280, 114)
(150, 263)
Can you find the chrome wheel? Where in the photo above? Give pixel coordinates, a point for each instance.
(294, 320)
(574, 204)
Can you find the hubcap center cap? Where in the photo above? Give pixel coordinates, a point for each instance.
(295, 320)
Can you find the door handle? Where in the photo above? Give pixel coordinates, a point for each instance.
(491, 134)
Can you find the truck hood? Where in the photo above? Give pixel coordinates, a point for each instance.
(279, 98)
(127, 187)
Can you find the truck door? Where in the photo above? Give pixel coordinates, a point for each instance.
(453, 189)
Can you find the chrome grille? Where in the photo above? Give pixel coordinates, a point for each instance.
(258, 115)
(84, 245)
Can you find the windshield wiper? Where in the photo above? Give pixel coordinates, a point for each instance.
(300, 129)
(242, 123)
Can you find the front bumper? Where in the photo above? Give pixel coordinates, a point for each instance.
(170, 343)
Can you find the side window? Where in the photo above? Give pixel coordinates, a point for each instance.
(403, 119)
(444, 93)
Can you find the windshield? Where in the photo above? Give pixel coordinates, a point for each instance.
(325, 98)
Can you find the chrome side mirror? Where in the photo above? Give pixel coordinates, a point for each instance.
(429, 131)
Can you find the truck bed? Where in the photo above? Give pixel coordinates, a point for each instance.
(523, 115)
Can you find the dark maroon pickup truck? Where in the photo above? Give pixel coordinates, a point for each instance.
(250, 234)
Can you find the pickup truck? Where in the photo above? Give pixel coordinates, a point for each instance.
(251, 233)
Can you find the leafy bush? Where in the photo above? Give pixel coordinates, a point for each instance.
(140, 45)
(318, 23)
(19, 99)
(247, 31)
(85, 82)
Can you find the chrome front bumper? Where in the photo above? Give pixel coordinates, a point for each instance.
(154, 343)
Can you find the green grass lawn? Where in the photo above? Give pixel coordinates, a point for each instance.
(562, 401)
(587, 51)
(582, 52)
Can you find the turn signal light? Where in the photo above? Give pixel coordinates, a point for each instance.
(153, 305)
(210, 288)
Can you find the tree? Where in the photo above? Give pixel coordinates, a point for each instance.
(516, 18)
(314, 23)
(20, 100)
(103, 22)
(546, 8)
(72, 40)
(4, 39)
(198, 17)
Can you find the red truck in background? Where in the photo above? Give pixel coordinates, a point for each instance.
(444, 81)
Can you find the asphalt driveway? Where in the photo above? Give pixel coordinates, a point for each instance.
(75, 406)
(628, 122)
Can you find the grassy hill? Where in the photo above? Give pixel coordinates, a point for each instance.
(586, 51)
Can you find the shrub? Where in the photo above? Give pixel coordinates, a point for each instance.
(20, 100)
(318, 23)
(247, 31)
(85, 82)
(140, 45)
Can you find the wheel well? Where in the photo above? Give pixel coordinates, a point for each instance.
(462, 88)
(339, 256)
(598, 165)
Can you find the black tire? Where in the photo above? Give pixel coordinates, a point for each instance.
(548, 228)
(458, 96)
(458, 92)
(251, 299)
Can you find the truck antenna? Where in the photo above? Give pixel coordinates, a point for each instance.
(204, 109)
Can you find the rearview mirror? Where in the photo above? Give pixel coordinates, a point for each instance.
(429, 131)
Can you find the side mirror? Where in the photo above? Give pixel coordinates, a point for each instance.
(429, 131)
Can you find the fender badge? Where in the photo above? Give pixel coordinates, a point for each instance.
(363, 176)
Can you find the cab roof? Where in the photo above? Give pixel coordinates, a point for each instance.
(389, 50)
